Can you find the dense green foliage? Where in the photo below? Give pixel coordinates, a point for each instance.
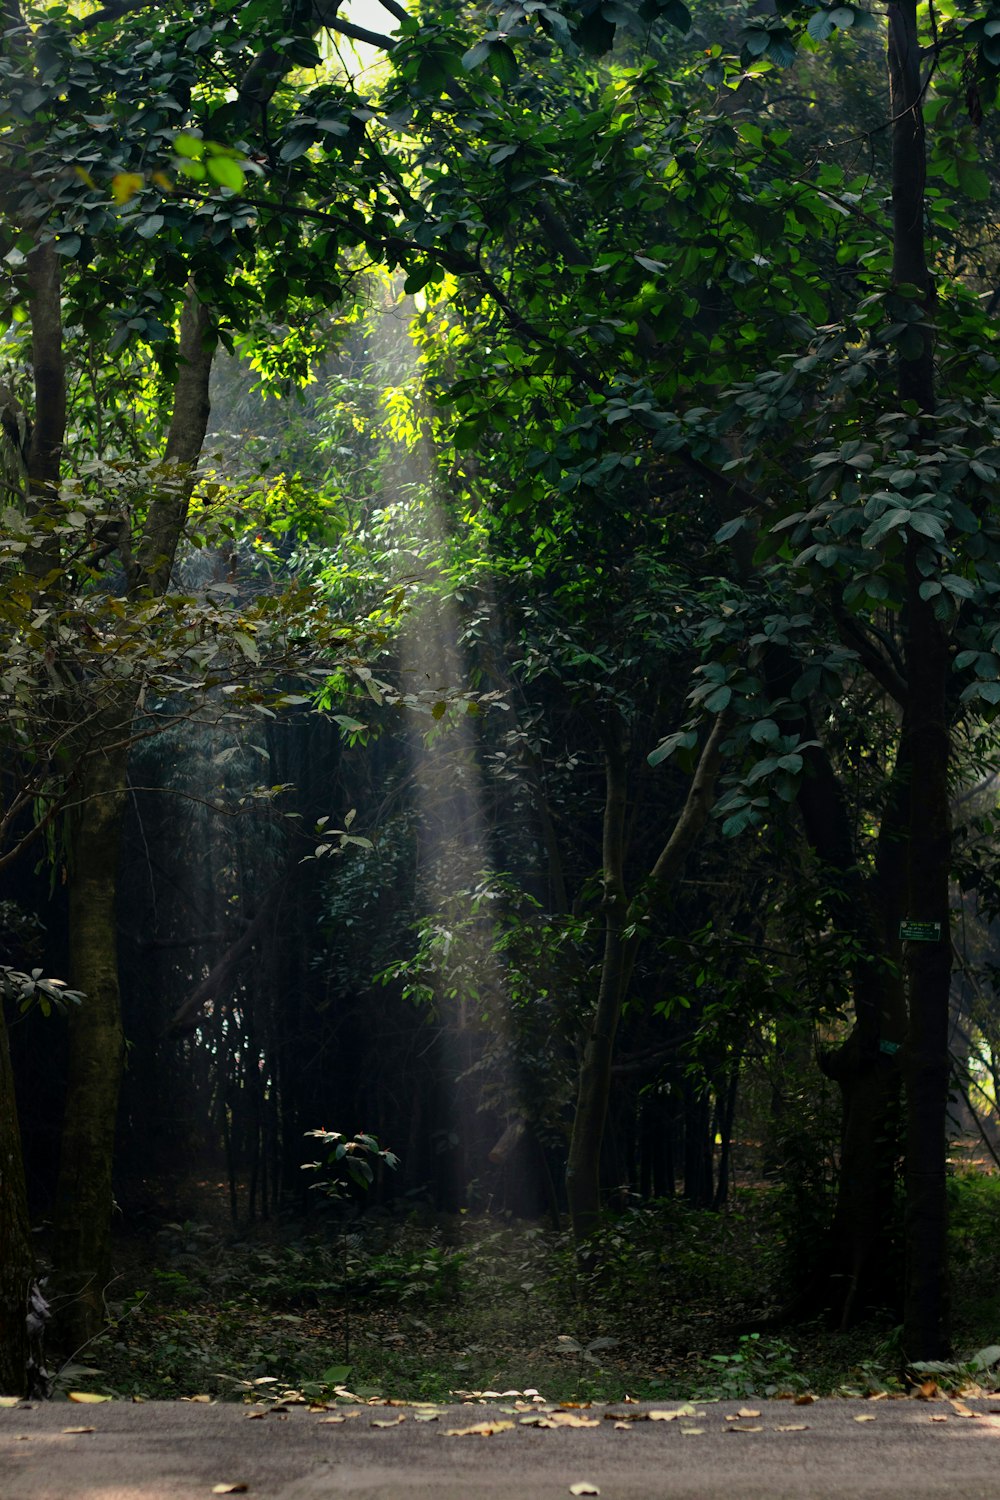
(500, 654)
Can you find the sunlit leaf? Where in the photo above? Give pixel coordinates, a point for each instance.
(481, 1429)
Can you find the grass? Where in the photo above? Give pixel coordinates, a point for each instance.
(422, 1309)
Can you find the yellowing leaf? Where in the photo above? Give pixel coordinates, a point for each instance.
(388, 1421)
(623, 1426)
(793, 1427)
(867, 1417)
(570, 1419)
(9, 1400)
(747, 1412)
(584, 1487)
(662, 1416)
(692, 1431)
(228, 1489)
(84, 176)
(91, 1398)
(745, 1429)
(481, 1429)
(125, 185)
(75, 1430)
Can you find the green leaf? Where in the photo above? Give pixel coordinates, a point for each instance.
(820, 26)
(717, 701)
(475, 56)
(227, 173)
(503, 63)
(189, 145)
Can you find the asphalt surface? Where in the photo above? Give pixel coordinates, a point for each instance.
(181, 1451)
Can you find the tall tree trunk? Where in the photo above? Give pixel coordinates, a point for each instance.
(82, 1239)
(928, 964)
(16, 1258)
(84, 1199)
(583, 1169)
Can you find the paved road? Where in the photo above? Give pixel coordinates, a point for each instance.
(181, 1451)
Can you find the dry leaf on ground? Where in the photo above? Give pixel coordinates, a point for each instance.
(481, 1429)
(745, 1429)
(805, 1399)
(692, 1431)
(793, 1427)
(75, 1430)
(584, 1487)
(90, 1398)
(937, 1416)
(867, 1417)
(238, 1488)
(388, 1421)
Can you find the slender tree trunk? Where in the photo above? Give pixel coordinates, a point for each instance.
(82, 1239)
(84, 1199)
(928, 964)
(16, 1258)
(583, 1169)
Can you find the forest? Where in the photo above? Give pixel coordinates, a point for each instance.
(500, 646)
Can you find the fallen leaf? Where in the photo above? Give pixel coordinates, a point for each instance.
(228, 1489)
(204, 1400)
(9, 1400)
(626, 1416)
(879, 1396)
(584, 1488)
(481, 1429)
(805, 1398)
(926, 1391)
(623, 1426)
(692, 1431)
(89, 1398)
(569, 1419)
(324, 1420)
(961, 1410)
(79, 1429)
(747, 1412)
(937, 1416)
(744, 1429)
(793, 1427)
(662, 1416)
(867, 1417)
(256, 1416)
(389, 1421)
(426, 1416)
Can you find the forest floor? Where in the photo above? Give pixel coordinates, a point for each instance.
(430, 1308)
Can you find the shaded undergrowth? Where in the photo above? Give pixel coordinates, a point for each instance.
(421, 1308)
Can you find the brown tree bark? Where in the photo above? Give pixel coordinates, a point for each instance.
(84, 1202)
